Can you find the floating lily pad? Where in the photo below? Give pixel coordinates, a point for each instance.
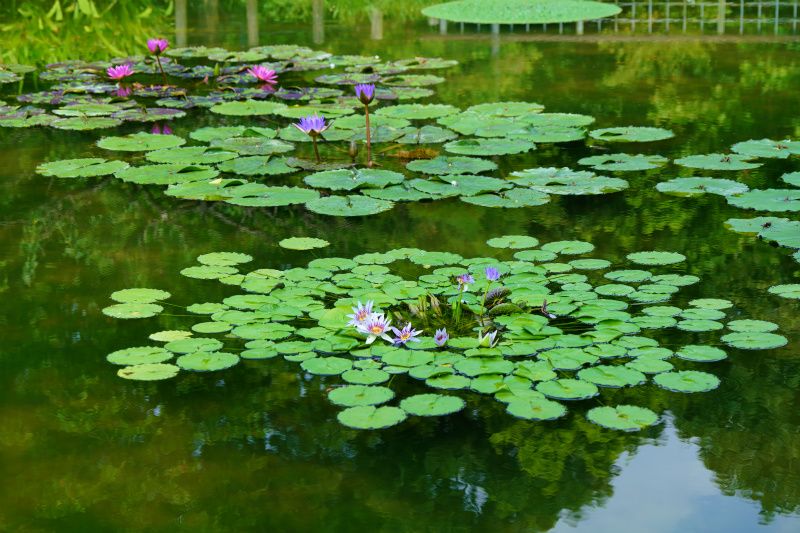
(754, 326)
(513, 241)
(348, 206)
(622, 417)
(416, 111)
(207, 361)
(486, 147)
(611, 376)
(224, 259)
(687, 381)
(568, 389)
(367, 376)
(149, 372)
(778, 200)
(790, 290)
(698, 186)
(631, 134)
(303, 243)
(140, 296)
(451, 165)
(565, 181)
(711, 303)
(352, 179)
(536, 409)
(370, 417)
(139, 355)
(132, 310)
(656, 258)
(327, 366)
(623, 162)
(432, 405)
(195, 344)
(767, 148)
(747, 340)
(140, 142)
(510, 199)
(248, 108)
(192, 155)
(717, 162)
(568, 247)
(701, 354)
(355, 395)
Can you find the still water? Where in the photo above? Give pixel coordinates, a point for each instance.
(257, 447)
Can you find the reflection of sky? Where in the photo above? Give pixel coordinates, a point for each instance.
(652, 495)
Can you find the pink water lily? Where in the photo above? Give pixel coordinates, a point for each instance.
(119, 72)
(157, 46)
(261, 73)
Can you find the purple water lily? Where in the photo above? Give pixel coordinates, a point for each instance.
(361, 314)
(441, 337)
(492, 274)
(407, 334)
(119, 72)
(465, 280)
(376, 326)
(158, 130)
(157, 46)
(313, 126)
(365, 92)
(488, 340)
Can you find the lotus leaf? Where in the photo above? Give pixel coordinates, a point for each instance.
(749, 340)
(356, 395)
(717, 162)
(488, 146)
(698, 186)
(631, 134)
(149, 372)
(701, 354)
(780, 200)
(536, 409)
(348, 206)
(207, 361)
(767, 148)
(431, 405)
(132, 310)
(139, 355)
(623, 162)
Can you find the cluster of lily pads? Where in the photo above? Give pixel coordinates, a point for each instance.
(780, 231)
(561, 328)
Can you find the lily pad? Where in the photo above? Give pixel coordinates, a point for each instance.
(139, 355)
(790, 290)
(747, 340)
(149, 372)
(432, 405)
(416, 111)
(451, 165)
(140, 142)
(303, 243)
(701, 354)
(352, 179)
(485, 147)
(514, 242)
(327, 366)
(207, 361)
(656, 258)
(622, 417)
(536, 409)
(348, 206)
(687, 381)
(623, 162)
(717, 162)
(355, 395)
(568, 389)
(697, 186)
(631, 134)
(767, 148)
(132, 310)
(777, 200)
(140, 296)
(370, 417)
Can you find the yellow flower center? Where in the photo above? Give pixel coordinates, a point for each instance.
(376, 329)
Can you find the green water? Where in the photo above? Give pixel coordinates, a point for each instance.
(257, 447)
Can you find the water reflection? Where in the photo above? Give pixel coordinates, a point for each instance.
(86, 451)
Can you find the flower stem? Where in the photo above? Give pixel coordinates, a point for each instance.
(316, 150)
(369, 137)
(163, 74)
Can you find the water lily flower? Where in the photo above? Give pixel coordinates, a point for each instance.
(313, 126)
(464, 281)
(365, 92)
(261, 73)
(407, 334)
(158, 130)
(119, 72)
(157, 46)
(492, 274)
(361, 314)
(376, 326)
(441, 337)
(488, 340)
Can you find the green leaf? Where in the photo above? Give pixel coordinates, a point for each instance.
(370, 417)
(622, 417)
(355, 395)
(140, 142)
(687, 381)
(431, 405)
(139, 355)
(140, 296)
(149, 372)
(348, 206)
(536, 409)
(207, 361)
(303, 243)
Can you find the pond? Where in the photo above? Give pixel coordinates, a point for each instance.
(262, 445)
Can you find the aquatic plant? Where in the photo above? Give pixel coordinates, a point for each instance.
(158, 47)
(119, 72)
(313, 126)
(553, 332)
(365, 92)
